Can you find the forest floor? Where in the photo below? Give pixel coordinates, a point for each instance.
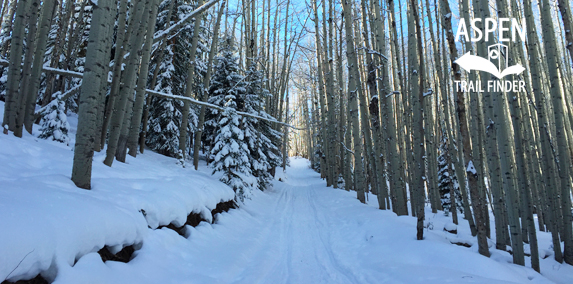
(300, 231)
(297, 231)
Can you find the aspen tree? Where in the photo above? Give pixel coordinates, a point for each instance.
(128, 78)
(374, 111)
(329, 76)
(385, 91)
(30, 47)
(142, 82)
(120, 49)
(417, 73)
(456, 153)
(321, 93)
(399, 198)
(205, 87)
(14, 71)
(345, 116)
(96, 72)
(370, 164)
(34, 82)
(189, 83)
(354, 88)
(564, 157)
(431, 121)
(153, 83)
(472, 172)
(444, 98)
(285, 134)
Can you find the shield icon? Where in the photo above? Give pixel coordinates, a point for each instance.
(497, 54)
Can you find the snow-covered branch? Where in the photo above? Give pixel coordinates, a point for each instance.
(161, 34)
(65, 96)
(155, 93)
(193, 101)
(51, 70)
(346, 148)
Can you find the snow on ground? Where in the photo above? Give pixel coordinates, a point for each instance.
(435, 223)
(47, 223)
(300, 231)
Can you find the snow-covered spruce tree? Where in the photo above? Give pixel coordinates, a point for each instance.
(163, 133)
(445, 181)
(165, 114)
(221, 82)
(260, 136)
(54, 124)
(230, 152)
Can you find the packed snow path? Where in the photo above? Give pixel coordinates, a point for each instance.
(300, 231)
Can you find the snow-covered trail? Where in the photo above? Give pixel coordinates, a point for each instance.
(300, 231)
(305, 232)
(292, 244)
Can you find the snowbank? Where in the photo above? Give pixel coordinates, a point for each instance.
(48, 223)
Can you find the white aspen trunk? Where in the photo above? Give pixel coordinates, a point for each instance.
(285, 134)
(34, 82)
(374, 111)
(189, 83)
(95, 73)
(398, 188)
(128, 78)
(417, 71)
(205, 87)
(369, 163)
(158, 59)
(30, 48)
(14, 71)
(564, 158)
(329, 75)
(324, 140)
(478, 202)
(120, 49)
(354, 88)
(142, 82)
(431, 146)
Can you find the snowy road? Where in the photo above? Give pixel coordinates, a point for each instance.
(293, 244)
(301, 232)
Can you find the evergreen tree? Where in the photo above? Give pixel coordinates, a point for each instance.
(231, 152)
(445, 181)
(165, 114)
(261, 137)
(225, 77)
(54, 124)
(163, 133)
(230, 133)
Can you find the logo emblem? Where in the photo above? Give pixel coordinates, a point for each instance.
(470, 62)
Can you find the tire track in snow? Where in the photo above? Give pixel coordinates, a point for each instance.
(310, 255)
(325, 240)
(262, 265)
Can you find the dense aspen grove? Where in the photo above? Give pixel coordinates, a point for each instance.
(367, 90)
